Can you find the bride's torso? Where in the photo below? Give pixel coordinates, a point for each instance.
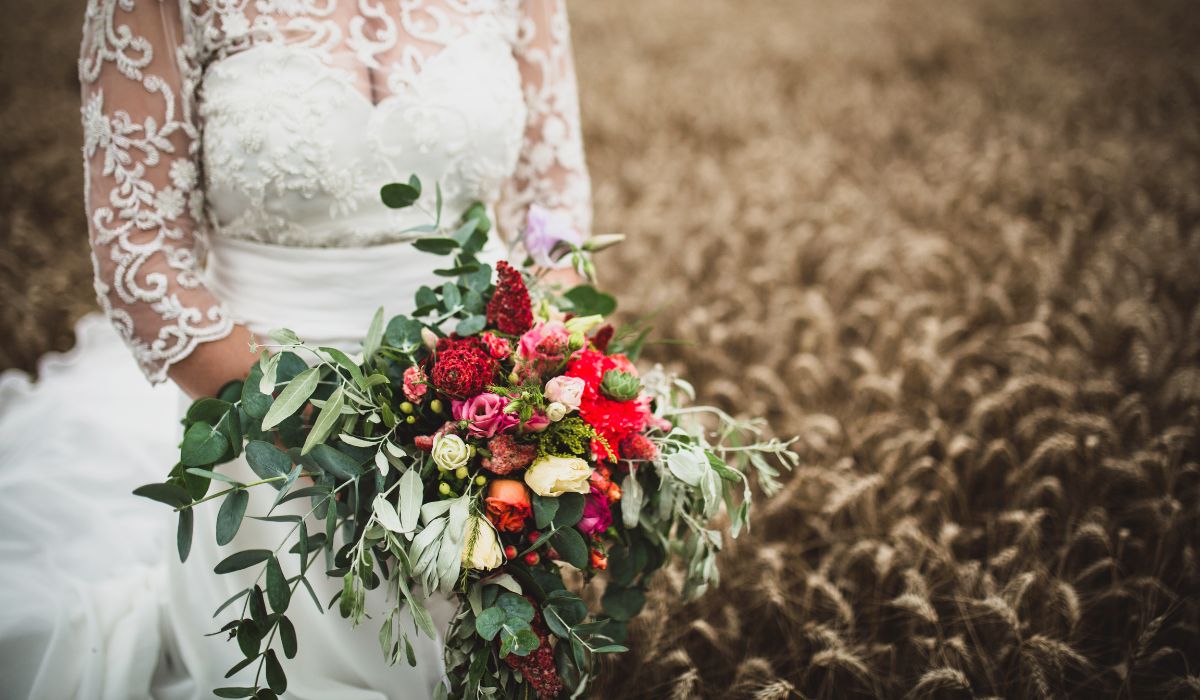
(308, 107)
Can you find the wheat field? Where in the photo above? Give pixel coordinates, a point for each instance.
(953, 246)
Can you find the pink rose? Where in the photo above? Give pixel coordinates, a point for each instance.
(484, 414)
(543, 348)
(566, 390)
(499, 348)
(536, 423)
(415, 384)
(597, 515)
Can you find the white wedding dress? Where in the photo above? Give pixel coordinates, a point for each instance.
(234, 152)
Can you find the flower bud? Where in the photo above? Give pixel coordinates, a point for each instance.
(429, 338)
(444, 488)
(576, 341)
(461, 473)
(555, 411)
(583, 324)
(436, 406)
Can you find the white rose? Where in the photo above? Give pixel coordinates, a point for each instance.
(481, 546)
(555, 412)
(450, 452)
(554, 476)
(565, 390)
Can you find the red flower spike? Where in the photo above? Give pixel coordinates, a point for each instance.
(509, 309)
(538, 667)
(603, 337)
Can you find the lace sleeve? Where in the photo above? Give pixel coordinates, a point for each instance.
(143, 195)
(551, 171)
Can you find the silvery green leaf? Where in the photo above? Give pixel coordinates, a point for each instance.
(505, 581)
(374, 335)
(270, 369)
(386, 514)
(460, 508)
(292, 397)
(373, 418)
(284, 336)
(687, 466)
(631, 499)
(325, 421)
(434, 509)
(381, 463)
(710, 486)
(410, 500)
(423, 543)
(356, 441)
(449, 561)
(395, 449)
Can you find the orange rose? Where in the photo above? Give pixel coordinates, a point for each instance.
(508, 505)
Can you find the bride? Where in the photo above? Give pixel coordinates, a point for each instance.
(234, 151)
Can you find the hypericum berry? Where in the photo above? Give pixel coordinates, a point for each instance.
(599, 560)
(406, 408)
(444, 489)
(436, 405)
(461, 473)
(534, 535)
(510, 552)
(410, 419)
(552, 553)
(481, 480)
(532, 558)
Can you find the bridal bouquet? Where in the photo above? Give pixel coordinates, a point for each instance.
(499, 446)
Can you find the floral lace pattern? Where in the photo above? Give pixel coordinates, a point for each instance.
(277, 120)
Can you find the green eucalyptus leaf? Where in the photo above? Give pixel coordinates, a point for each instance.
(571, 547)
(170, 494)
(267, 460)
(229, 518)
(515, 606)
(326, 420)
(489, 622)
(278, 593)
(436, 245)
(622, 603)
(287, 637)
(451, 296)
(275, 675)
(183, 533)
(242, 560)
(336, 462)
(470, 325)
(570, 510)
(544, 510)
(202, 445)
(397, 195)
(586, 300)
(374, 335)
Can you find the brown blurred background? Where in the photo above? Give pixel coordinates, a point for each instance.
(955, 246)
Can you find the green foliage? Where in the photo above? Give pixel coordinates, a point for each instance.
(569, 437)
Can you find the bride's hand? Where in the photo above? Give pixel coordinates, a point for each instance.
(211, 365)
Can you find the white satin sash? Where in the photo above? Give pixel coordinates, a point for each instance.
(326, 295)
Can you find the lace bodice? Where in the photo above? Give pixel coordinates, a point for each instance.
(278, 121)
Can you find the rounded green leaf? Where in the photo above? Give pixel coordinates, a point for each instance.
(202, 445)
(489, 622)
(571, 547)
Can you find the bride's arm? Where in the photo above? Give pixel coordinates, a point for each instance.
(145, 197)
(551, 171)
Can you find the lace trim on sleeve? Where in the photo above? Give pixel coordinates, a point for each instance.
(551, 170)
(143, 193)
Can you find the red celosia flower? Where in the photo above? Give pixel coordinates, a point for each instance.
(508, 455)
(509, 309)
(612, 420)
(637, 446)
(538, 667)
(603, 337)
(462, 367)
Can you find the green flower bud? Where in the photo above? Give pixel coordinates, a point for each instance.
(406, 407)
(410, 419)
(436, 405)
(461, 473)
(481, 480)
(444, 488)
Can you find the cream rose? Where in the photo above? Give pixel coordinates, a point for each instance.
(566, 390)
(554, 476)
(450, 452)
(481, 546)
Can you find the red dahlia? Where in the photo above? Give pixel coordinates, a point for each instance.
(603, 337)
(462, 367)
(612, 420)
(509, 310)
